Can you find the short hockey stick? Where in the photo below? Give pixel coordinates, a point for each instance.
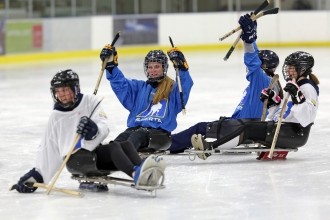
(264, 107)
(179, 83)
(77, 138)
(66, 191)
(104, 63)
(45, 186)
(278, 127)
(267, 12)
(232, 48)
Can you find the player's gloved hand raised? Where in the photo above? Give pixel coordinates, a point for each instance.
(294, 90)
(273, 98)
(87, 128)
(178, 59)
(25, 183)
(249, 29)
(110, 55)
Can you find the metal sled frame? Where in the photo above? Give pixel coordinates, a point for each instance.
(83, 167)
(253, 148)
(107, 179)
(239, 150)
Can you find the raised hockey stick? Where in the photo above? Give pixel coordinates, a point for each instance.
(232, 48)
(104, 63)
(278, 127)
(179, 83)
(267, 12)
(67, 157)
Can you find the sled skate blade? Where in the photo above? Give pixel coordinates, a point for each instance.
(93, 187)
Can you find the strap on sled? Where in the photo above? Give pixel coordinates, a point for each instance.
(83, 163)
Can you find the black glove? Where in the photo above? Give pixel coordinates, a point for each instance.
(249, 29)
(178, 59)
(273, 98)
(25, 183)
(106, 53)
(87, 128)
(296, 95)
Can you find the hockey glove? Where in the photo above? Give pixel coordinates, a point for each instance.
(25, 183)
(87, 128)
(178, 59)
(249, 29)
(270, 94)
(296, 95)
(106, 53)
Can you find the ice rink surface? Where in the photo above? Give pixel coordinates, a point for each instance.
(222, 187)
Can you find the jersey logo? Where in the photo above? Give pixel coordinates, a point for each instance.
(156, 111)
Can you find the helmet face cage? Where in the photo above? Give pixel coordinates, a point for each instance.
(301, 61)
(157, 56)
(65, 78)
(269, 60)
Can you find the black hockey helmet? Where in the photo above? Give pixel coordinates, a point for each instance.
(302, 61)
(156, 56)
(65, 78)
(269, 61)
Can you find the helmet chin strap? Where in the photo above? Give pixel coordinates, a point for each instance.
(156, 79)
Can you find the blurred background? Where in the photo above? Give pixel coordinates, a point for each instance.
(45, 29)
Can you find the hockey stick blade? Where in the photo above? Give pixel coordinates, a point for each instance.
(271, 11)
(116, 38)
(171, 41)
(261, 7)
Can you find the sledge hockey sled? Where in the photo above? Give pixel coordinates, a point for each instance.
(83, 167)
(291, 137)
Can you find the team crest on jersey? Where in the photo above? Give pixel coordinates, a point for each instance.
(154, 112)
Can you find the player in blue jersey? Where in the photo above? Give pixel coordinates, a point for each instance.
(261, 66)
(153, 105)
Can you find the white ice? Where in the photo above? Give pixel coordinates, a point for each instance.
(222, 187)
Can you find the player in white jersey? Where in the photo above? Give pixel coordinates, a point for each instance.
(303, 91)
(75, 114)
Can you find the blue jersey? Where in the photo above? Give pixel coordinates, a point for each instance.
(136, 96)
(250, 105)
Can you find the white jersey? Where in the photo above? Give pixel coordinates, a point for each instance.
(303, 113)
(61, 132)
